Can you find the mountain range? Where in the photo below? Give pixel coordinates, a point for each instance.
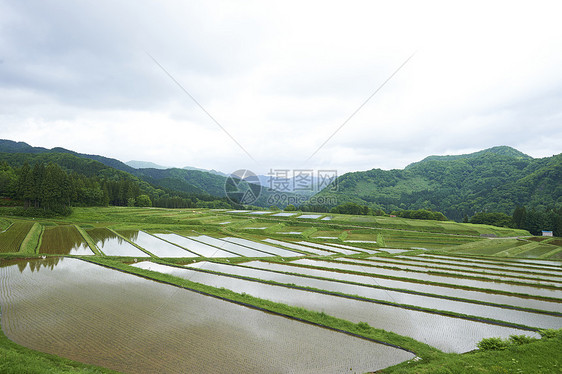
(496, 180)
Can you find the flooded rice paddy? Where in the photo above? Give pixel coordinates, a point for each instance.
(331, 249)
(154, 245)
(499, 264)
(459, 265)
(396, 297)
(445, 333)
(291, 245)
(231, 247)
(112, 244)
(200, 249)
(64, 240)
(96, 315)
(456, 271)
(416, 287)
(435, 278)
(12, 237)
(263, 247)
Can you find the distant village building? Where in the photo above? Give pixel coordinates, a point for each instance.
(547, 233)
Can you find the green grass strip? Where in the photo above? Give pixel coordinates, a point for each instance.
(32, 241)
(551, 253)
(539, 356)
(89, 240)
(320, 319)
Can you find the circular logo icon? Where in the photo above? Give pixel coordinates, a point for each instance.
(242, 187)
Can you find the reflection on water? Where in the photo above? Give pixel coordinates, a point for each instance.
(64, 240)
(34, 265)
(132, 235)
(105, 317)
(155, 245)
(112, 244)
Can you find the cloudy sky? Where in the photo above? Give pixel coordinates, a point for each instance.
(280, 78)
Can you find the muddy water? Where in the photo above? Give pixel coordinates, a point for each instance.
(104, 317)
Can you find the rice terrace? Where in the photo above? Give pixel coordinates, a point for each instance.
(140, 290)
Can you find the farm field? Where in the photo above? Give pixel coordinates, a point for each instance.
(64, 240)
(12, 237)
(199, 333)
(360, 285)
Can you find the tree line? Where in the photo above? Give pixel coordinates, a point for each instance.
(48, 188)
(533, 220)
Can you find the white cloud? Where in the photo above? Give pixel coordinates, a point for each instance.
(281, 78)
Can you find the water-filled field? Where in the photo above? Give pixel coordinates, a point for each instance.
(154, 245)
(547, 292)
(112, 244)
(488, 297)
(65, 240)
(231, 247)
(263, 247)
(96, 315)
(200, 249)
(446, 333)
(115, 319)
(451, 270)
(398, 297)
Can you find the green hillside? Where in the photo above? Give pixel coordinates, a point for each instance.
(164, 185)
(497, 179)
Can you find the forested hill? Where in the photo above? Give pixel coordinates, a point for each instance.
(55, 181)
(495, 180)
(182, 181)
(166, 186)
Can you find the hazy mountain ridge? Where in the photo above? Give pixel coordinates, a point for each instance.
(144, 165)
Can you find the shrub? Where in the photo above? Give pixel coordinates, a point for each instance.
(521, 339)
(492, 344)
(364, 326)
(548, 333)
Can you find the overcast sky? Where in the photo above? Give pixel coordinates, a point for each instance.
(281, 77)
